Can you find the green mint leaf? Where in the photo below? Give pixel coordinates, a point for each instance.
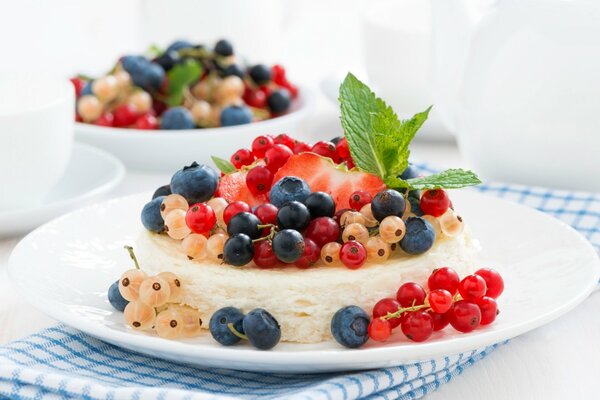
(181, 76)
(449, 179)
(225, 166)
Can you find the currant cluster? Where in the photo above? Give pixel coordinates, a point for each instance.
(140, 92)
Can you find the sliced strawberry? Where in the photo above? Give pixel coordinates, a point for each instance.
(322, 175)
(232, 187)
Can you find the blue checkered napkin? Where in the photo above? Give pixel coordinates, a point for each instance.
(62, 363)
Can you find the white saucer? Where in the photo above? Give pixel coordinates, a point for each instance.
(91, 173)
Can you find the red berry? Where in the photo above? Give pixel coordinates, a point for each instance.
(323, 230)
(311, 254)
(278, 74)
(350, 163)
(493, 281)
(254, 98)
(200, 218)
(125, 115)
(78, 118)
(489, 310)
(440, 300)
(301, 147)
(286, 140)
(380, 329)
(106, 119)
(326, 149)
(464, 316)
(159, 107)
(353, 254)
(264, 257)
(241, 158)
(440, 321)
(410, 294)
(78, 84)
(233, 209)
(266, 90)
(266, 213)
(472, 287)
(259, 180)
(260, 145)
(293, 89)
(444, 278)
(146, 121)
(417, 326)
(435, 202)
(276, 156)
(360, 198)
(342, 148)
(385, 306)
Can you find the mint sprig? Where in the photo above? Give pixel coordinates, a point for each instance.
(224, 166)
(180, 76)
(378, 140)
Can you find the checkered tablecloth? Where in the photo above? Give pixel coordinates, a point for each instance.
(62, 363)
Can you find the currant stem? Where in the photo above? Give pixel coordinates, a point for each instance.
(236, 332)
(402, 310)
(132, 255)
(269, 236)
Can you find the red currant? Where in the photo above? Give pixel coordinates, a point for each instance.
(410, 294)
(440, 321)
(359, 199)
(264, 257)
(259, 180)
(106, 119)
(276, 156)
(380, 329)
(326, 149)
(241, 158)
(464, 316)
(472, 287)
(254, 98)
(233, 209)
(261, 144)
(278, 74)
(493, 281)
(489, 310)
(417, 326)
(444, 278)
(301, 147)
(311, 254)
(342, 148)
(146, 121)
(323, 230)
(353, 254)
(440, 300)
(266, 90)
(125, 115)
(435, 202)
(385, 306)
(200, 218)
(266, 213)
(286, 140)
(78, 84)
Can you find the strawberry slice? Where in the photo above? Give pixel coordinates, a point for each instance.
(322, 175)
(232, 187)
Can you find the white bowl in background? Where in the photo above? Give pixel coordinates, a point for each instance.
(170, 150)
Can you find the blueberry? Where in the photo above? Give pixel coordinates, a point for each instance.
(177, 118)
(262, 329)
(293, 215)
(87, 88)
(178, 45)
(134, 64)
(279, 101)
(410, 172)
(260, 74)
(238, 250)
(151, 77)
(320, 204)
(115, 299)
(387, 202)
(233, 69)
(288, 189)
(350, 326)
(336, 139)
(151, 218)
(235, 115)
(167, 60)
(288, 245)
(246, 223)
(415, 205)
(419, 236)
(164, 190)
(197, 183)
(218, 325)
(224, 48)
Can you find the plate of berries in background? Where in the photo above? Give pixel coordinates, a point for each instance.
(158, 110)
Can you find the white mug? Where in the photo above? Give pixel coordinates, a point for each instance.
(36, 135)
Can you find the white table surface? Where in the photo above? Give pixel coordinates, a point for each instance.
(558, 361)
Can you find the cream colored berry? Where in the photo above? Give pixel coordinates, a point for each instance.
(377, 249)
(201, 112)
(392, 229)
(141, 100)
(367, 214)
(175, 225)
(105, 88)
(89, 108)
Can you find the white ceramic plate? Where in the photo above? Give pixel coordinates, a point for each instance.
(65, 268)
(167, 151)
(90, 173)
